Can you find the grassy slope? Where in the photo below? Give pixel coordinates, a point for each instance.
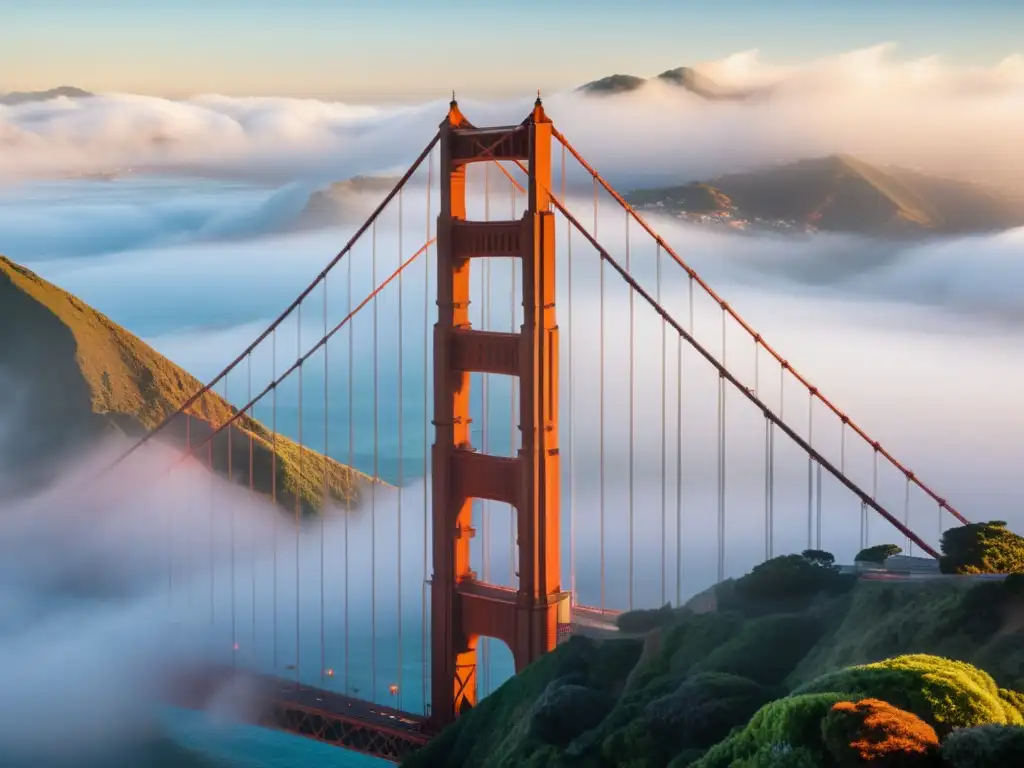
(73, 374)
(843, 193)
(979, 623)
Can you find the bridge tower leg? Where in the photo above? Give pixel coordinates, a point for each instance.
(464, 608)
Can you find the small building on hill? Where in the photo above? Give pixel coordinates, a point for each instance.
(908, 564)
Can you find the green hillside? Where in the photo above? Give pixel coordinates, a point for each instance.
(930, 673)
(843, 194)
(70, 375)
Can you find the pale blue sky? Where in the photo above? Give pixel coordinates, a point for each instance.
(404, 49)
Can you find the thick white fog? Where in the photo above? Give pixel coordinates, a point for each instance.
(921, 343)
(873, 103)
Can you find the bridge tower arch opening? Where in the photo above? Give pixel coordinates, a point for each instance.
(463, 607)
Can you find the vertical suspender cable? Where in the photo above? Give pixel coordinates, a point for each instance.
(426, 438)
(906, 516)
(782, 409)
(679, 471)
(817, 533)
(810, 471)
(188, 445)
(401, 452)
(213, 478)
(771, 516)
(351, 467)
(513, 527)
(664, 487)
(782, 392)
(485, 282)
(721, 460)
(874, 491)
(273, 478)
(842, 470)
(601, 399)
(298, 499)
(252, 490)
(767, 456)
(327, 489)
(572, 412)
(767, 487)
(376, 477)
(679, 450)
(631, 406)
(169, 530)
(231, 522)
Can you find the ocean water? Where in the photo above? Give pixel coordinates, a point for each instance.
(197, 267)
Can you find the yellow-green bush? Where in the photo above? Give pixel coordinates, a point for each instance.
(944, 693)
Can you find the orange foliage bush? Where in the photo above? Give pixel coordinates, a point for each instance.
(874, 732)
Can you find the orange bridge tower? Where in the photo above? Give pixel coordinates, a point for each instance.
(464, 608)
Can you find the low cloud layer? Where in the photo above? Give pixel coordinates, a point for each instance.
(871, 103)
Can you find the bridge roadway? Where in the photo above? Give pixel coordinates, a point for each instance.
(327, 716)
(281, 704)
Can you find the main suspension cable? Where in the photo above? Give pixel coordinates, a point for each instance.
(725, 374)
(598, 179)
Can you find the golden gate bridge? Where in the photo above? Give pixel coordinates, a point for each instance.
(429, 479)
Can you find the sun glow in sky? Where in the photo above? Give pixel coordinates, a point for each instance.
(416, 49)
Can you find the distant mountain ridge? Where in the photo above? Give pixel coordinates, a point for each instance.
(15, 98)
(840, 193)
(687, 78)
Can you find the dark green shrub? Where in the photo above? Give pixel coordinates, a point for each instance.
(819, 557)
(688, 643)
(565, 710)
(873, 732)
(1014, 584)
(767, 649)
(780, 756)
(788, 583)
(647, 619)
(682, 646)
(687, 758)
(787, 730)
(699, 713)
(987, 746)
(877, 554)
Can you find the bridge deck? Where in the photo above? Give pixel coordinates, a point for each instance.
(326, 716)
(329, 716)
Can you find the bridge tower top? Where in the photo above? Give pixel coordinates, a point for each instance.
(463, 607)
